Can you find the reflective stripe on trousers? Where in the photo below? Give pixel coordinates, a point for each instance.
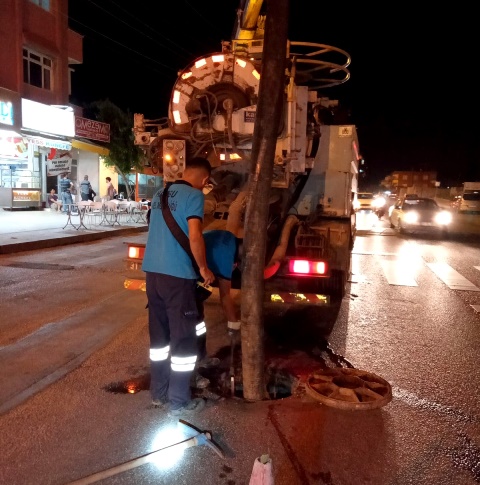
(159, 354)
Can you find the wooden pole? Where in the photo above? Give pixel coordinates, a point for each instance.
(268, 115)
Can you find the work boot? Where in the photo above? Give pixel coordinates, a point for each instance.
(194, 406)
(159, 402)
(209, 362)
(198, 381)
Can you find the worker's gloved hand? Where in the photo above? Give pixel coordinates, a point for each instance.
(233, 328)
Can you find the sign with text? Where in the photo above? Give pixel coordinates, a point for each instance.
(6, 113)
(91, 129)
(249, 116)
(58, 162)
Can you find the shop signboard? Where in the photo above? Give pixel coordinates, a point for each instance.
(10, 110)
(58, 162)
(91, 129)
(47, 119)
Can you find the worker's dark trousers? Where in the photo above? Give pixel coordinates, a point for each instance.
(172, 318)
(202, 338)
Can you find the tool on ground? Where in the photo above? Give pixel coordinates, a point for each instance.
(232, 365)
(201, 438)
(233, 331)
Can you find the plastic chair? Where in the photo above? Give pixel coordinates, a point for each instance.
(94, 213)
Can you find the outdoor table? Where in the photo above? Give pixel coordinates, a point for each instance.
(74, 210)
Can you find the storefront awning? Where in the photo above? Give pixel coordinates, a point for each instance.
(90, 147)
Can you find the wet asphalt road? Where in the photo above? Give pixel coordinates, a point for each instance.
(403, 319)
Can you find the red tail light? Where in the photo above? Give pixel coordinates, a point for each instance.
(136, 251)
(307, 267)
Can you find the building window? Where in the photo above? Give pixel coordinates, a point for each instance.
(37, 69)
(45, 4)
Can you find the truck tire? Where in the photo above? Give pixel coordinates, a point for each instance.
(338, 283)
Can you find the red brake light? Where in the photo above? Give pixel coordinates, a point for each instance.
(136, 252)
(306, 267)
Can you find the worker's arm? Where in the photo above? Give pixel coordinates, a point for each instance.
(197, 245)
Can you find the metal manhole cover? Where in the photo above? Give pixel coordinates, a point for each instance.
(349, 388)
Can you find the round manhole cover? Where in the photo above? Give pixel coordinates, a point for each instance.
(349, 388)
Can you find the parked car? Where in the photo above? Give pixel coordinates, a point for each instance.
(419, 215)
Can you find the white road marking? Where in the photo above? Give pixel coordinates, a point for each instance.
(397, 273)
(453, 279)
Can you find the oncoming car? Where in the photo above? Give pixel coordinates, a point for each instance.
(364, 201)
(419, 215)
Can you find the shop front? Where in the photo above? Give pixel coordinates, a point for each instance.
(29, 155)
(19, 187)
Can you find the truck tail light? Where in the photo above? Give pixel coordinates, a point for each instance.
(307, 267)
(136, 252)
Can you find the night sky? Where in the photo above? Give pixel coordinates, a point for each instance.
(413, 92)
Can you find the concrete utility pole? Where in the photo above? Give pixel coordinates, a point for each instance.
(271, 89)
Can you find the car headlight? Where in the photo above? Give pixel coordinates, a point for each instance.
(379, 202)
(411, 217)
(443, 218)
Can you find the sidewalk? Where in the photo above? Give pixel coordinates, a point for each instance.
(29, 230)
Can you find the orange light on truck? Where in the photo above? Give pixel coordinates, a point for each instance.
(307, 267)
(135, 252)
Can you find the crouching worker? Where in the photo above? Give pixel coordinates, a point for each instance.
(224, 252)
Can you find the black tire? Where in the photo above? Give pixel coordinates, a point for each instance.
(338, 283)
(400, 228)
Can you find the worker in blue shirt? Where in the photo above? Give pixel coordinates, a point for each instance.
(171, 286)
(223, 252)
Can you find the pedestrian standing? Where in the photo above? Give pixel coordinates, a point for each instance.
(66, 186)
(171, 280)
(111, 191)
(85, 188)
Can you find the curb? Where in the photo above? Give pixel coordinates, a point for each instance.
(50, 242)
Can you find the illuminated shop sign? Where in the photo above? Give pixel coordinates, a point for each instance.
(6, 113)
(94, 130)
(47, 119)
(45, 142)
(13, 147)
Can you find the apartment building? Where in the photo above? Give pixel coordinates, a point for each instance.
(41, 134)
(422, 183)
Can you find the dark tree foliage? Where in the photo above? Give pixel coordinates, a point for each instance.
(123, 155)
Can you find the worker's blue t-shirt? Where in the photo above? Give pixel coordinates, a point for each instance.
(163, 254)
(220, 247)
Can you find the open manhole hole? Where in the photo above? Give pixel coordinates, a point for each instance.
(349, 389)
(279, 385)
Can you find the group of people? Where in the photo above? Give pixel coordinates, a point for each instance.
(175, 315)
(86, 192)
